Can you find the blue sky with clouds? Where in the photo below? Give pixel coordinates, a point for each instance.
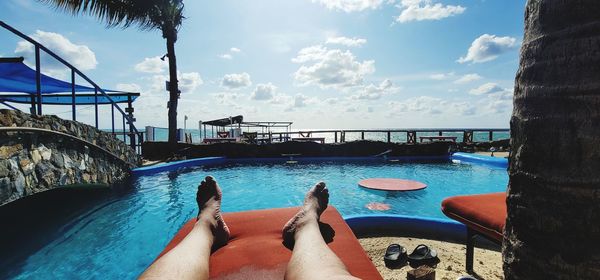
(319, 63)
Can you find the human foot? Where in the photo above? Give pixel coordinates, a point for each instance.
(315, 203)
(208, 198)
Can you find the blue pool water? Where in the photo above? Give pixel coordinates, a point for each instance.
(120, 238)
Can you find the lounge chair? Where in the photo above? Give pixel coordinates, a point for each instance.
(483, 214)
(256, 248)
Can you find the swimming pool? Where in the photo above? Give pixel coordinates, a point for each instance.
(119, 239)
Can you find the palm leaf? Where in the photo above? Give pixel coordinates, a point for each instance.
(146, 14)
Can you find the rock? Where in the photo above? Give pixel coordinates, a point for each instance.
(27, 166)
(45, 152)
(45, 174)
(35, 156)
(67, 162)
(86, 178)
(19, 185)
(4, 168)
(8, 151)
(58, 160)
(82, 165)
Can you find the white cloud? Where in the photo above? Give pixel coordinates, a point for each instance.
(374, 92)
(441, 76)
(129, 87)
(226, 98)
(152, 65)
(350, 5)
(188, 82)
(80, 56)
(331, 101)
(345, 41)
(229, 55)
(264, 92)
(463, 108)
(330, 68)
(486, 88)
(418, 10)
(488, 47)
(235, 81)
(226, 56)
(423, 104)
(467, 78)
(300, 100)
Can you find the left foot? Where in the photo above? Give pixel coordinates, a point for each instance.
(315, 203)
(208, 198)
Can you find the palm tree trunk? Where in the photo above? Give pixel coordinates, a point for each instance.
(553, 224)
(173, 89)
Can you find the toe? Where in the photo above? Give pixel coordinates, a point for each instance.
(320, 187)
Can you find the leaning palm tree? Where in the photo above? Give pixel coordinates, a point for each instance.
(553, 223)
(165, 15)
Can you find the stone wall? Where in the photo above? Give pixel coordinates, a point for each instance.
(35, 162)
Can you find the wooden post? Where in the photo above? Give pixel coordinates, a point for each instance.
(439, 133)
(362, 135)
(389, 136)
(73, 94)
(96, 105)
(468, 136)
(335, 136)
(38, 81)
(491, 136)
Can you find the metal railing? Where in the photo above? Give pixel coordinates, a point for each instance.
(339, 136)
(127, 117)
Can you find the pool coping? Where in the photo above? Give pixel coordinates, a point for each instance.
(479, 159)
(362, 224)
(169, 166)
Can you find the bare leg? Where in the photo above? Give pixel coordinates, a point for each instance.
(189, 259)
(311, 257)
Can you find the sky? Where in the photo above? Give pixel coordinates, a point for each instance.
(318, 63)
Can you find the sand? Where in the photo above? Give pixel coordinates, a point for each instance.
(487, 264)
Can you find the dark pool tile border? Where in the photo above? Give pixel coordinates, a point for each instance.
(461, 157)
(301, 159)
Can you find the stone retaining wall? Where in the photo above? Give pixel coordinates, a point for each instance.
(35, 162)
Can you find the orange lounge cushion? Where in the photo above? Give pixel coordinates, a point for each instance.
(484, 213)
(255, 245)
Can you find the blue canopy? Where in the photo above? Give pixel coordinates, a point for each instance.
(17, 77)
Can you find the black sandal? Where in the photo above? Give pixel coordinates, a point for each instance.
(422, 255)
(395, 256)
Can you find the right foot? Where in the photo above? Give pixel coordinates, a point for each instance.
(208, 198)
(315, 203)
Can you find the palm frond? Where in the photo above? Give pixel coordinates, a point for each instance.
(146, 14)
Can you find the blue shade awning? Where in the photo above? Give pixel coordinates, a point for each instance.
(67, 99)
(16, 77)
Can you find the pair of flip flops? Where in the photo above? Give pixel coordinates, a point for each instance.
(396, 256)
